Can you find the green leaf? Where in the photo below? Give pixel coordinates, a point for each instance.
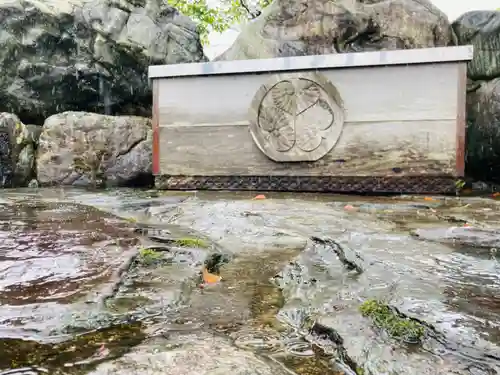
(219, 19)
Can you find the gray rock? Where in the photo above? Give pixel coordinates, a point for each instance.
(483, 132)
(201, 354)
(88, 55)
(481, 29)
(17, 155)
(89, 149)
(299, 27)
(34, 133)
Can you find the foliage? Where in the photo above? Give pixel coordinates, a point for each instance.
(218, 19)
(389, 320)
(191, 242)
(149, 256)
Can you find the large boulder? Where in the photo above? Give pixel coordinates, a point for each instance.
(87, 55)
(89, 149)
(17, 155)
(483, 131)
(481, 29)
(301, 27)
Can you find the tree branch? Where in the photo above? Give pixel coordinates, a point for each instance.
(246, 7)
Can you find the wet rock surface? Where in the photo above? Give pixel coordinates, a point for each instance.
(17, 152)
(89, 149)
(87, 55)
(483, 131)
(126, 281)
(481, 28)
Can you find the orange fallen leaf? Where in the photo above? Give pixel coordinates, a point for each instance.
(429, 199)
(260, 196)
(210, 278)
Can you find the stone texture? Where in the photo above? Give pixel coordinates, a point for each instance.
(296, 118)
(483, 132)
(200, 353)
(481, 29)
(89, 149)
(17, 155)
(87, 55)
(301, 27)
(34, 133)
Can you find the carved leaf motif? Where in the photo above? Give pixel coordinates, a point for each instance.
(272, 118)
(310, 125)
(284, 98)
(308, 94)
(283, 139)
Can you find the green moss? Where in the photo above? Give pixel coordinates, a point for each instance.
(191, 242)
(389, 320)
(149, 256)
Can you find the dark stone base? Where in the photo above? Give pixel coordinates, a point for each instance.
(319, 184)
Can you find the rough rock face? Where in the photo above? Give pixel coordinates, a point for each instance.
(89, 149)
(87, 55)
(17, 156)
(481, 29)
(301, 27)
(483, 133)
(203, 354)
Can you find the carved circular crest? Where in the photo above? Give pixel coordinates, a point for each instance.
(296, 117)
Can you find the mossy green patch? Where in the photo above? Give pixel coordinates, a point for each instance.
(149, 256)
(397, 326)
(191, 242)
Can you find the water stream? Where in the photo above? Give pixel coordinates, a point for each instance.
(129, 282)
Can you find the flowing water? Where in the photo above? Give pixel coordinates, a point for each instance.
(145, 282)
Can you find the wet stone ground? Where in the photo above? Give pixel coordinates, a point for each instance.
(138, 282)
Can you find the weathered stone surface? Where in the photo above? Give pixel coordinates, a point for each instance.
(17, 155)
(202, 354)
(296, 118)
(461, 236)
(89, 55)
(300, 27)
(483, 133)
(88, 149)
(34, 133)
(481, 29)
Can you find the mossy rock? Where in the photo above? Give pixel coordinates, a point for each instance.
(396, 325)
(149, 257)
(191, 242)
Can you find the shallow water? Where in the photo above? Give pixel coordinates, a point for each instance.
(110, 282)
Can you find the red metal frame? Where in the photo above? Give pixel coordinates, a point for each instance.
(156, 130)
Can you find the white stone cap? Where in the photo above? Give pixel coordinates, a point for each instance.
(297, 63)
